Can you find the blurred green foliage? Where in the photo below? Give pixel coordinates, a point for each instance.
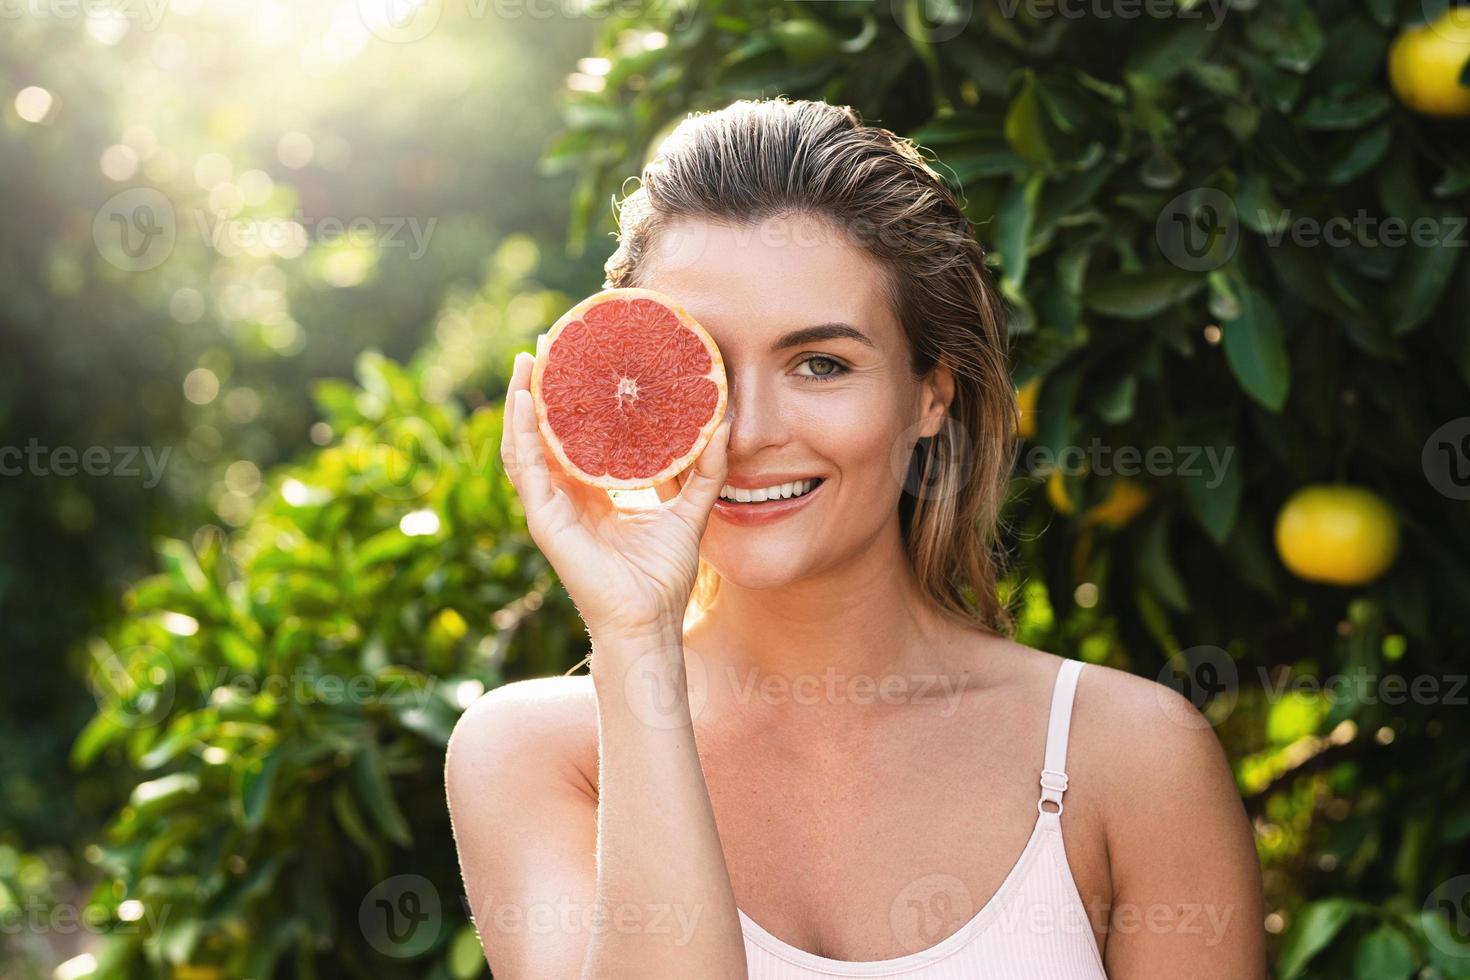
(377, 177)
(272, 704)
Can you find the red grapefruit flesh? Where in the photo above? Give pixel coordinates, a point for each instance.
(628, 389)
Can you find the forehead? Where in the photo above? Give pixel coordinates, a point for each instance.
(761, 278)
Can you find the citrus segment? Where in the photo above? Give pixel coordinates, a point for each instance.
(628, 389)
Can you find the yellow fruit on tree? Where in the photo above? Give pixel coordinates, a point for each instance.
(1124, 502)
(1026, 402)
(1425, 64)
(1342, 535)
(1056, 492)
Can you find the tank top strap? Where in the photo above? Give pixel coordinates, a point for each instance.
(1054, 768)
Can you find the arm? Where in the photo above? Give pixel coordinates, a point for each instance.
(657, 847)
(1187, 900)
(625, 879)
(528, 828)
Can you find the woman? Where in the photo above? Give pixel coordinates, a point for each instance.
(836, 764)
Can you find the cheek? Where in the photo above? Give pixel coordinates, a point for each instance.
(856, 430)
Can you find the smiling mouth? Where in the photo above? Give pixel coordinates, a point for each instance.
(754, 498)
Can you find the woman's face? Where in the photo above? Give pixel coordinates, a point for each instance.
(839, 403)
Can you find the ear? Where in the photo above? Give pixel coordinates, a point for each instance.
(936, 391)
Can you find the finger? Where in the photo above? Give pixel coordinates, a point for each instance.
(534, 476)
(668, 489)
(520, 378)
(702, 486)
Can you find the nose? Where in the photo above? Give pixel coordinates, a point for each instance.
(758, 417)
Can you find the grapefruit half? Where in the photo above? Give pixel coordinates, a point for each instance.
(628, 389)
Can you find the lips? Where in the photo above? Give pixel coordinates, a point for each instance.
(747, 515)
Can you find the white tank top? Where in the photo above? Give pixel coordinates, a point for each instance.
(1035, 927)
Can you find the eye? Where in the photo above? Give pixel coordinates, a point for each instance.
(830, 368)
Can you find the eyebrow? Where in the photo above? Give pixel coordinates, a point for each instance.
(822, 331)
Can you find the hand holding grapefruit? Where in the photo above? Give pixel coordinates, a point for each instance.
(625, 391)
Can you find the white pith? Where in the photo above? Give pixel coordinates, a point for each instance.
(780, 491)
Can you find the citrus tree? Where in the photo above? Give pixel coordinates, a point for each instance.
(1189, 356)
(1232, 239)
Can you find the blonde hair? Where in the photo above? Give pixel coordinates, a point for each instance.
(758, 159)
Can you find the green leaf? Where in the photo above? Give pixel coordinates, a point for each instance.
(1319, 923)
(1171, 49)
(803, 40)
(1026, 127)
(1115, 402)
(1013, 227)
(1289, 31)
(1345, 111)
(254, 780)
(1156, 568)
(1357, 156)
(370, 780)
(466, 959)
(1255, 351)
(1383, 954)
(1420, 284)
(1214, 491)
(1140, 295)
(1448, 952)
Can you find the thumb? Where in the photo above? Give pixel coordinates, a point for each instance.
(702, 487)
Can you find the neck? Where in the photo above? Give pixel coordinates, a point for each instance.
(861, 623)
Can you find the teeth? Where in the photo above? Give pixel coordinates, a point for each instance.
(779, 492)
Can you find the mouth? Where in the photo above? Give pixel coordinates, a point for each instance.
(788, 499)
(753, 498)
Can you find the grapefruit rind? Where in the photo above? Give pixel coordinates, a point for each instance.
(606, 481)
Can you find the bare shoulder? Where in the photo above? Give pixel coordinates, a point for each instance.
(545, 727)
(1147, 737)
